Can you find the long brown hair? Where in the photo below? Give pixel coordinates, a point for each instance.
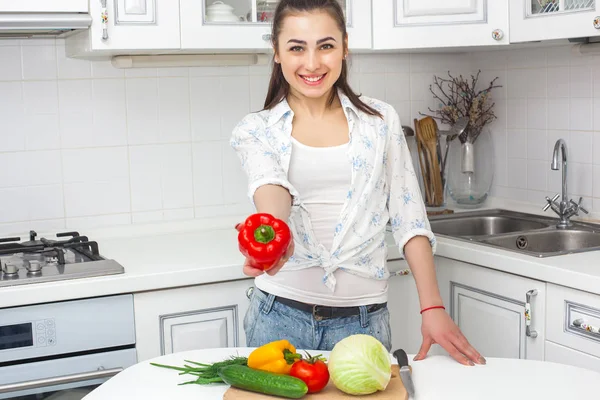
(279, 88)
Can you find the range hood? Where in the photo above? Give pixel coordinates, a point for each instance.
(30, 24)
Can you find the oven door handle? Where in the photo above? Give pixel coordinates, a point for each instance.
(59, 380)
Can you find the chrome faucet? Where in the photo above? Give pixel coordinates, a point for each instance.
(567, 207)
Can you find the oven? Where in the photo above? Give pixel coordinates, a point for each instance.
(63, 350)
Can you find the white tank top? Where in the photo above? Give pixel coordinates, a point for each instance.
(322, 176)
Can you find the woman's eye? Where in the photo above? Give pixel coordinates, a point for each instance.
(296, 48)
(327, 46)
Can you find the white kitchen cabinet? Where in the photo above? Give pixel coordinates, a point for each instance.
(249, 33)
(533, 20)
(194, 317)
(564, 355)
(133, 27)
(404, 308)
(44, 6)
(489, 308)
(412, 24)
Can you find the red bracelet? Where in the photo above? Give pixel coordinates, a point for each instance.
(431, 308)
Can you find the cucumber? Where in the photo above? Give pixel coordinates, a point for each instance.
(254, 380)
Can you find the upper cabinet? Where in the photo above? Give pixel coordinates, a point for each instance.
(246, 24)
(128, 27)
(532, 20)
(413, 24)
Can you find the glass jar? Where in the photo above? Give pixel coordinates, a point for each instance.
(470, 170)
(265, 9)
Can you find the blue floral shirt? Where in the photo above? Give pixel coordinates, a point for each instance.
(384, 188)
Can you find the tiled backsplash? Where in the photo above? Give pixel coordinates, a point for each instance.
(84, 144)
(547, 94)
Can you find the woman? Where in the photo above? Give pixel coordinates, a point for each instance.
(337, 168)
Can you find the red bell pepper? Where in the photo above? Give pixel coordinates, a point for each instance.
(264, 239)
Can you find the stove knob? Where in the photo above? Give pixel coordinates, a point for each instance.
(10, 269)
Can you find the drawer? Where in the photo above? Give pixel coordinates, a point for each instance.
(564, 355)
(573, 319)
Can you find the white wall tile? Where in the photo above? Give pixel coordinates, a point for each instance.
(536, 113)
(178, 214)
(397, 86)
(537, 143)
(110, 122)
(142, 111)
(74, 96)
(516, 114)
(580, 147)
(596, 79)
(596, 116)
(177, 178)
(104, 69)
(536, 175)
(45, 202)
(527, 58)
(580, 178)
(39, 62)
(97, 221)
(233, 108)
(41, 97)
(145, 177)
(208, 174)
(558, 81)
(97, 198)
(517, 173)
(205, 108)
(235, 182)
(10, 63)
(596, 148)
(30, 168)
(596, 181)
(42, 132)
(15, 200)
(558, 56)
(581, 114)
(558, 113)
(516, 143)
(174, 109)
(581, 81)
(373, 85)
(95, 164)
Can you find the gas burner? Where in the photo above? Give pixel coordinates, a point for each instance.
(69, 256)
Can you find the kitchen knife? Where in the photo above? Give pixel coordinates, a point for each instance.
(405, 372)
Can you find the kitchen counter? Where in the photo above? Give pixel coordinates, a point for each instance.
(168, 255)
(436, 377)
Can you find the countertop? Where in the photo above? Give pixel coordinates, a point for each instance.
(436, 377)
(167, 255)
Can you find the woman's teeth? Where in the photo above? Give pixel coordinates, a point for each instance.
(313, 78)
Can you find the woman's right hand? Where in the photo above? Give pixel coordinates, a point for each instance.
(249, 270)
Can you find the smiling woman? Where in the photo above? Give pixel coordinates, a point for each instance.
(336, 167)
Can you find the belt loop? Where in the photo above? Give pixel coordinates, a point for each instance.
(268, 304)
(364, 316)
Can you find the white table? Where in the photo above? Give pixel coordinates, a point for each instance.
(437, 377)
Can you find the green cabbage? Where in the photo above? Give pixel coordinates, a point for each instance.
(360, 364)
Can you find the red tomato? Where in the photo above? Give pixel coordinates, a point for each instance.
(314, 374)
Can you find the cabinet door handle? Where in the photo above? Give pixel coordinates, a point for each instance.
(104, 19)
(401, 272)
(497, 34)
(528, 331)
(597, 22)
(581, 324)
(249, 292)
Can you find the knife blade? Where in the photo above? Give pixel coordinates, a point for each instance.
(405, 375)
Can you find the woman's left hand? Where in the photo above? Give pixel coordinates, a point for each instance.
(438, 327)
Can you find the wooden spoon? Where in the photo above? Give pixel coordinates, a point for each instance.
(428, 130)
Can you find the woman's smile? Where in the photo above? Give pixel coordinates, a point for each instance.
(313, 80)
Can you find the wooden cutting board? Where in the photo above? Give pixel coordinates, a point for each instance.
(395, 390)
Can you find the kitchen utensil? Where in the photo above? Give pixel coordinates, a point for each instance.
(220, 12)
(423, 163)
(457, 129)
(395, 390)
(402, 359)
(428, 129)
(408, 131)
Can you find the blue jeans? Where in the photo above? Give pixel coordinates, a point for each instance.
(268, 320)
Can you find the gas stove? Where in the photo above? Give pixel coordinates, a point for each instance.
(70, 256)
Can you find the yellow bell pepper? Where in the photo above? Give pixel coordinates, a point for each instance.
(277, 357)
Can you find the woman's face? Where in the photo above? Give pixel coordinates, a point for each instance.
(311, 50)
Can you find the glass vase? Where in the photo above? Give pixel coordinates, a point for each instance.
(470, 170)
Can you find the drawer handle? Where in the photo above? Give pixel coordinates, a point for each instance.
(401, 272)
(581, 324)
(104, 19)
(528, 331)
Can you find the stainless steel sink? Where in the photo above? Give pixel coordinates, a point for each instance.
(519, 232)
(484, 225)
(549, 242)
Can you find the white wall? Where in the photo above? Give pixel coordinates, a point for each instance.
(83, 144)
(548, 94)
